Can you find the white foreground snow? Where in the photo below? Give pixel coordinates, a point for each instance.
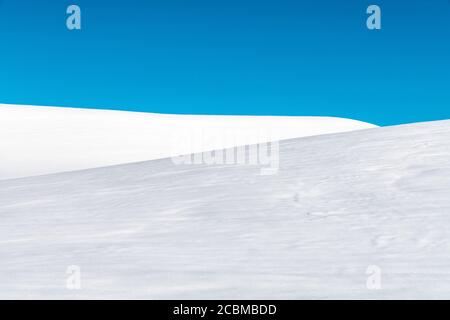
(339, 204)
(43, 140)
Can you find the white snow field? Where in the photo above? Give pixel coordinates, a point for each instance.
(340, 205)
(43, 140)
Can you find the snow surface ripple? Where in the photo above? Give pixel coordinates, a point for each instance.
(154, 230)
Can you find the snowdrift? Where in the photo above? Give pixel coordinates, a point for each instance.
(43, 140)
(341, 207)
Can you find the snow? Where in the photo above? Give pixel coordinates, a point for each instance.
(339, 206)
(43, 140)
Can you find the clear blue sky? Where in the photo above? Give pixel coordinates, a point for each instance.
(261, 57)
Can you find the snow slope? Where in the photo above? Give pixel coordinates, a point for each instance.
(339, 204)
(42, 140)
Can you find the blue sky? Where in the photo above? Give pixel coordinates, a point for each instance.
(265, 57)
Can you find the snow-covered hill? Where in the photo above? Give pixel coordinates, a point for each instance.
(341, 205)
(43, 140)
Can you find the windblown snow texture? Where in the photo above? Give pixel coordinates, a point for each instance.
(339, 204)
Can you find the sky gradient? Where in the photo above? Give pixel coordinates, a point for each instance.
(265, 57)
